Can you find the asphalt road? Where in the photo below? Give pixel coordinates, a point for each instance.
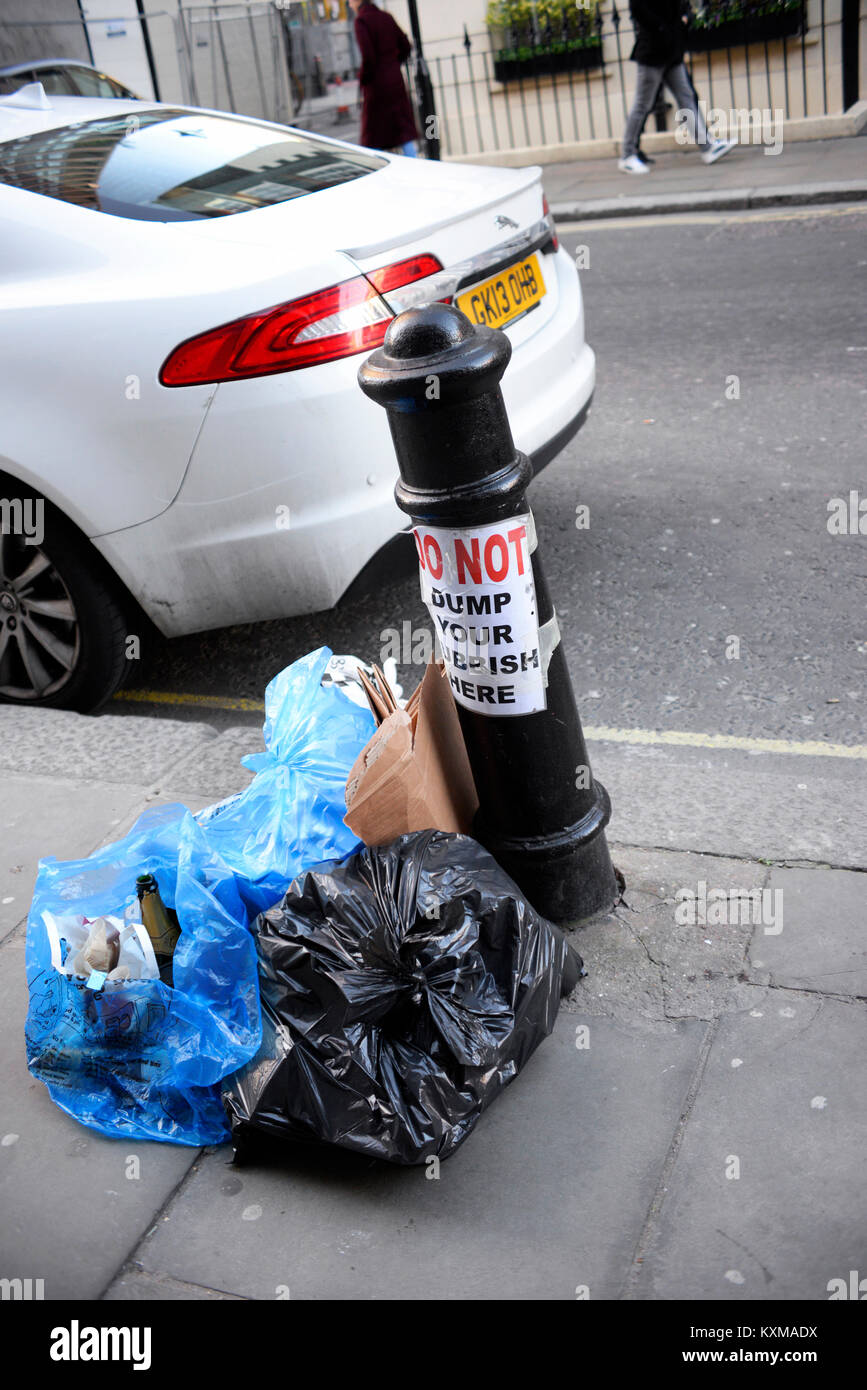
(708, 498)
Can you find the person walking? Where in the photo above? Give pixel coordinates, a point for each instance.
(645, 158)
(387, 122)
(660, 44)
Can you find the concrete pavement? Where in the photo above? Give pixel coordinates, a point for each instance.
(694, 1128)
(750, 176)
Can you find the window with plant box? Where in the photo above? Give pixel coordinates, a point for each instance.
(535, 37)
(728, 23)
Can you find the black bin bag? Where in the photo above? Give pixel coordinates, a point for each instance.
(401, 989)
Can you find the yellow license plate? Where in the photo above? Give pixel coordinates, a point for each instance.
(505, 296)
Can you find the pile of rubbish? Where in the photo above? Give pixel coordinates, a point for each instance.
(279, 965)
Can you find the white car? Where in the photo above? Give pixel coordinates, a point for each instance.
(185, 299)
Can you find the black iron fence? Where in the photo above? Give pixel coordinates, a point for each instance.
(542, 73)
(562, 74)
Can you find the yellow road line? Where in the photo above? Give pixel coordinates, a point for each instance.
(596, 733)
(683, 739)
(685, 219)
(171, 697)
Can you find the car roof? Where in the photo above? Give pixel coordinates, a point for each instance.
(17, 121)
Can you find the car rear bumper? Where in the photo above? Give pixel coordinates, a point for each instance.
(289, 495)
(398, 558)
(548, 452)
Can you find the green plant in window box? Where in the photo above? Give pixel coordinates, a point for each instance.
(548, 36)
(724, 23)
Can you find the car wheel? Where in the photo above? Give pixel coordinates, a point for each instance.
(62, 629)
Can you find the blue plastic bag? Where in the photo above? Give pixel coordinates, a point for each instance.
(313, 735)
(137, 1058)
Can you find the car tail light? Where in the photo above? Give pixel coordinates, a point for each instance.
(391, 277)
(549, 218)
(336, 322)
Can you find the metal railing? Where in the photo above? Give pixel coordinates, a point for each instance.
(539, 84)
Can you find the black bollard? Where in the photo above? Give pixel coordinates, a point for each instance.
(463, 483)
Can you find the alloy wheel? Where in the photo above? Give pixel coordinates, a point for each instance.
(39, 630)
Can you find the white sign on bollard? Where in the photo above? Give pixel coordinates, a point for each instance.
(478, 586)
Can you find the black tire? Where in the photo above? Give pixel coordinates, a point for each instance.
(62, 633)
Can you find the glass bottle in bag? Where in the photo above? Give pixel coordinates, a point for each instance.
(159, 922)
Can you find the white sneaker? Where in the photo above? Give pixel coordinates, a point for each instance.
(632, 165)
(717, 150)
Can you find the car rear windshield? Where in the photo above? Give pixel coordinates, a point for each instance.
(170, 166)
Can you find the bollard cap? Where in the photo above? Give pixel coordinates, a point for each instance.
(434, 340)
(422, 332)
(438, 376)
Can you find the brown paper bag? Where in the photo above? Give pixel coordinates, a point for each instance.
(414, 773)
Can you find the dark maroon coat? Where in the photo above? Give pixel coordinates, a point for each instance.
(386, 115)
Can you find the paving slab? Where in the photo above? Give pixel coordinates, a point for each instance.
(216, 770)
(655, 960)
(71, 1215)
(803, 171)
(40, 817)
(783, 1097)
(106, 747)
(135, 1285)
(146, 802)
(211, 775)
(548, 1193)
(823, 943)
(734, 803)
